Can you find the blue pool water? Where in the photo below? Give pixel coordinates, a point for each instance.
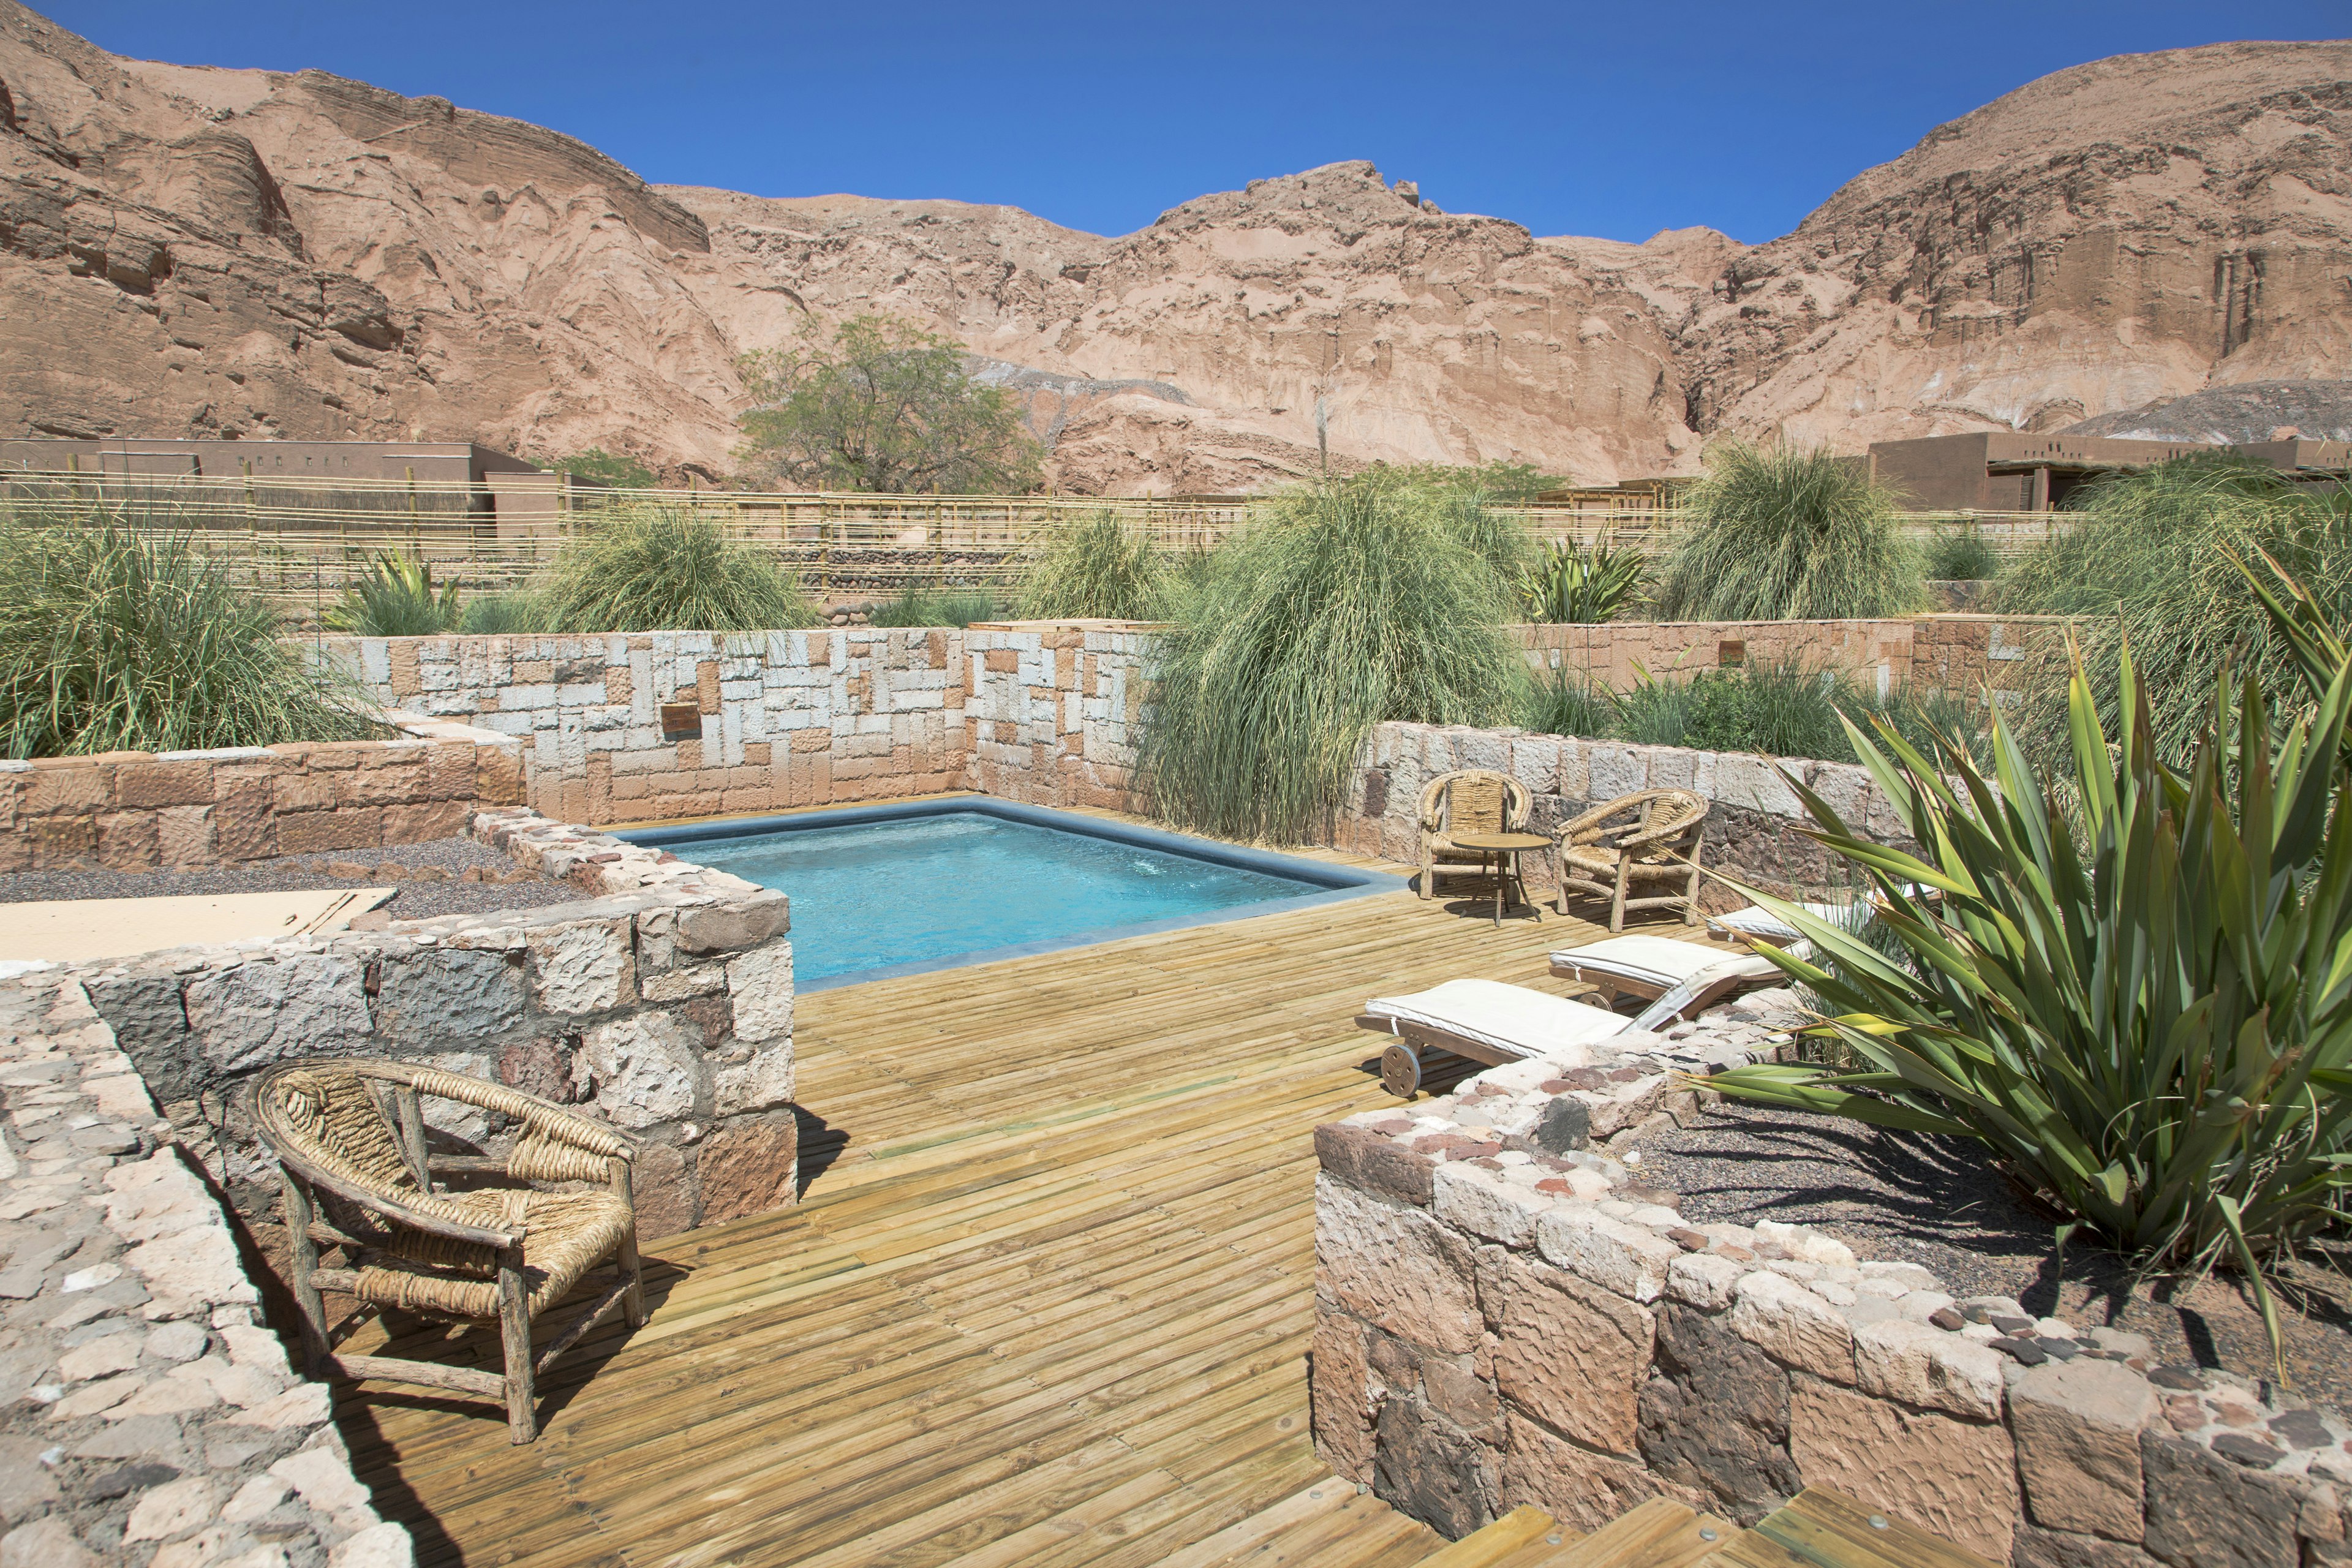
(913, 891)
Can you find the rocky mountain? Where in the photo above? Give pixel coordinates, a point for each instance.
(188, 250)
(2248, 411)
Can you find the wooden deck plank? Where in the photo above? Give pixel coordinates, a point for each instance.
(1046, 1298)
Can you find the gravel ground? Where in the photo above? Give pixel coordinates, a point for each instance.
(419, 896)
(1939, 1204)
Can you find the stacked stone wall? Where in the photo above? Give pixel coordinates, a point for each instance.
(1958, 653)
(134, 810)
(1505, 1316)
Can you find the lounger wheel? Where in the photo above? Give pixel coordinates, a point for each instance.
(1399, 1071)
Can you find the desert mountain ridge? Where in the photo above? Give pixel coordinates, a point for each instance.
(189, 250)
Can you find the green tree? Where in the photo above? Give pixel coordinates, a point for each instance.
(615, 468)
(882, 406)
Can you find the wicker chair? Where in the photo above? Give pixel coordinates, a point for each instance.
(1637, 840)
(349, 1142)
(1474, 800)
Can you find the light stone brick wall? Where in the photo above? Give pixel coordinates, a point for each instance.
(1958, 653)
(1505, 1316)
(148, 1415)
(1033, 712)
(661, 1002)
(132, 810)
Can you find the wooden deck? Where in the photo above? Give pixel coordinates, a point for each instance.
(1046, 1298)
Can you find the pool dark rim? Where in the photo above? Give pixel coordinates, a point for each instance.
(1337, 883)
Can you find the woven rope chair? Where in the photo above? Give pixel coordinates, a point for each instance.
(1474, 800)
(1649, 839)
(348, 1138)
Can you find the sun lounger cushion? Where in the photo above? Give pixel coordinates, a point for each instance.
(1510, 1019)
(1651, 960)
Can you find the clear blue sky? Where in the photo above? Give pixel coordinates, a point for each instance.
(1615, 119)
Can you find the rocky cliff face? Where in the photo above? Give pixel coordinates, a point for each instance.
(216, 252)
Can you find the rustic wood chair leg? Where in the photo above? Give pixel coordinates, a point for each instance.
(1690, 892)
(633, 1305)
(1617, 904)
(1428, 874)
(304, 1263)
(410, 1117)
(514, 1335)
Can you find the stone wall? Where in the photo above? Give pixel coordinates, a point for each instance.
(675, 724)
(147, 1416)
(1754, 818)
(662, 1002)
(1505, 1316)
(132, 810)
(1957, 653)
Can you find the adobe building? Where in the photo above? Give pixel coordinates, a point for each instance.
(2001, 471)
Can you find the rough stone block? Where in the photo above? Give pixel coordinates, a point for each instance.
(748, 1168)
(642, 1068)
(718, 928)
(1955, 1478)
(151, 1027)
(1582, 1489)
(1431, 1470)
(1717, 1417)
(1610, 1253)
(1343, 1396)
(253, 1014)
(70, 786)
(183, 835)
(439, 996)
(2077, 1426)
(126, 840)
(1362, 1158)
(664, 1190)
(351, 827)
(1792, 1325)
(1470, 1198)
(1704, 1279)
(761, 1083)
(1396, 1268)
(2208, 1511)
(2038, 1548)
(1572, 1354)
(584, 966)
(163, 783)
(760, 983)
(1898, 1358)
(425, 821)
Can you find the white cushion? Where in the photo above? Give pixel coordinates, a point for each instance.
(1656, 960)
(1510, 1019)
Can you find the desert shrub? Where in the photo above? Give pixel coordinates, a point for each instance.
(1787, 533)
(117, 636)
(395, 597)
(1573, 584)
(1959, 555)
(2131, 988)
(655, 569)
(505, 615)
(1565, 702)
(2150, 559)
(920, 606)
(1345, 604)
(1096, 567)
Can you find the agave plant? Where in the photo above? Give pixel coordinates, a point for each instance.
(1571, 585)
(2136, 988)
(395, 597)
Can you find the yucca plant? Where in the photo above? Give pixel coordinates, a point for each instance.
(118, 635)
(1096, 567)
(1347, 602)
(395, 597)
(1787, 533)
(664, 569)
(2135, 987)
(1573, 585)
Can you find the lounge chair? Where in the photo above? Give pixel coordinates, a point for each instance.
(348, 1140)
(1472, 800)
(1650, 966)
(1648, 839)
(1494, 1023)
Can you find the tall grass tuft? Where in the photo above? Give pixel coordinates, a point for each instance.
(1096, 567)
(505, 615)
(395, 597)
(1565, 702)
(1787, 533)
(1348, 602)
(1960, 554)
(117, 636)
(663, 569)
(918, 606)
(2149, 559)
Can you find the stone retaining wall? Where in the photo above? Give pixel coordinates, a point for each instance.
(147, 1415)
(1957, 653)
(132, 810)
(1754, 818)
(662, 1002)
(670, 724)
(1504, 1315)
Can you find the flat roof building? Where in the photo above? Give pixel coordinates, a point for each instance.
(431, 462)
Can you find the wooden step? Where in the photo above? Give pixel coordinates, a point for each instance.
(1505, 1543)
(1325, 1524)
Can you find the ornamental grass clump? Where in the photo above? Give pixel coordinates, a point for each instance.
(2150, 559)
(1096, 567)
(395, 597)
(2133, 985)
(663, 569)
(119, 635)
(1788, 534)
(919, 606)
(1347, 602)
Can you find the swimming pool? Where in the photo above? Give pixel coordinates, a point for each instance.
(902, 890)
